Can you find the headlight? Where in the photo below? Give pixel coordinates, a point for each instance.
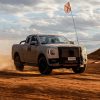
(84, 53)
(84, 50)
(51, 51)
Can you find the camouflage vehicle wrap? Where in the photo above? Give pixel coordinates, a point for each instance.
(49, 52)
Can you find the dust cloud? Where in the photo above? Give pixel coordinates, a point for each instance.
(6, 63)
(6, 67)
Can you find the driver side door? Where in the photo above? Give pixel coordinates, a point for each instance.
(33, 50)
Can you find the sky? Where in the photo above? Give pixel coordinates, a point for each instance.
(20, 18)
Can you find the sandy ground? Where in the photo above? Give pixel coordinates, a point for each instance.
(61, 85)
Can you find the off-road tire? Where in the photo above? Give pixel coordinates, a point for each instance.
(79, 69)
(44, 69)
(18, 64)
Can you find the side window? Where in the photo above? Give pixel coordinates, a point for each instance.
(33, 38)
(28, 40)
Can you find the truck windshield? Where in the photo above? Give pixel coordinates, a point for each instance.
(53, 39)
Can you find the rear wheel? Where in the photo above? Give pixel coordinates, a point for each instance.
(43, 66)
(79, 69)
(18, 64)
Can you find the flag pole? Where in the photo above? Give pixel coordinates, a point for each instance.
(67, 9)
(75, 27)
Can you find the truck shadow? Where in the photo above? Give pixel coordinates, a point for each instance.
(15, 74)
(57, 75)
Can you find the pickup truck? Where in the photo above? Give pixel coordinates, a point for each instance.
(49, 52)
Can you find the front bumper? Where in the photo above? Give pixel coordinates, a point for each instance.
(64, 63)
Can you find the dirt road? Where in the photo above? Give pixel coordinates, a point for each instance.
(61, 85)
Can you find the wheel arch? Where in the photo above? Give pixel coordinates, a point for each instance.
(16, 54)
(41, 55)
(44, 68)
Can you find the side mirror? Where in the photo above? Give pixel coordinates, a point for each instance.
(71, 42)
(22, 42)
(33, 43)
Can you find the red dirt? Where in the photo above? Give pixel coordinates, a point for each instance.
(61, 85)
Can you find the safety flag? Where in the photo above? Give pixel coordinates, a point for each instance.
(67, 7)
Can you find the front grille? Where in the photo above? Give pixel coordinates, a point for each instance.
(65, 52)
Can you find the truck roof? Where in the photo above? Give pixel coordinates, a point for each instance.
(46, 34)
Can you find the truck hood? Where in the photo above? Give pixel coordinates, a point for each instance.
(61, 45)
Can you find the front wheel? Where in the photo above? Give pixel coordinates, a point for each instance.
(43, 66)
(79, 69)
(18, 64)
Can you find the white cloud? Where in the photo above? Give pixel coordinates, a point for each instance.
(23, 17)
(20, 2)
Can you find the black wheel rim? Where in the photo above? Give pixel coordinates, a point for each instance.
(18, 64)
(17, 60)
(43, 65)
(79, 69)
